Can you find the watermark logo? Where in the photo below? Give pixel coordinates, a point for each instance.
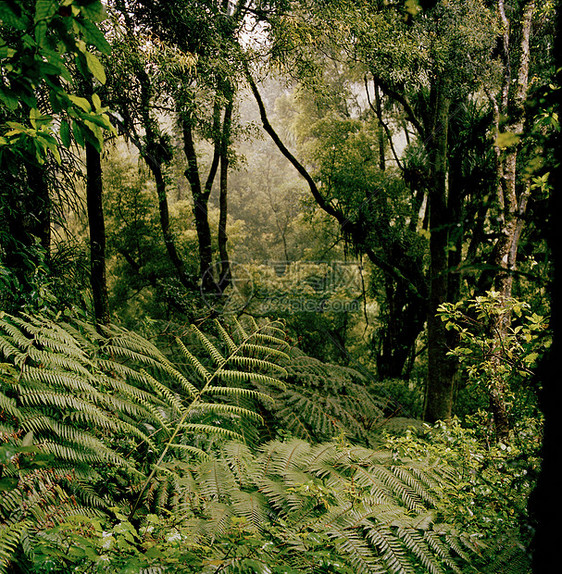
(288, 287)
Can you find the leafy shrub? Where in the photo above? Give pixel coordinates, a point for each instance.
(490, 499)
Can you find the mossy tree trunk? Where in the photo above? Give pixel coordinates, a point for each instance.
(440, 377)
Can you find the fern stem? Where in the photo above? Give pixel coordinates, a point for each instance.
(220, 366)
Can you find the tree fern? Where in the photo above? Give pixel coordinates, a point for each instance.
(321, 401)
(297, 491)
(91, 402)
(222, 372)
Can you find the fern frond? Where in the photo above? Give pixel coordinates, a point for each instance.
(230, 344)
(205, 375)
(229, 409)
(441, 550)
(185, 384)
(240, 392)
(210, 430)
(132, 355)
(418, 546)
(252, 506)
(258, 364)
(189, 448)
(392, 552)
(215, 354)
(167, 395)
(215, 480)
(10, 536)
(352, 545)
(8, 405)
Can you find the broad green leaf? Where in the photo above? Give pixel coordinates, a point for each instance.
(64, 132)
(8, 484)
(8, 99)
(96, 101)
(413, 7)
(45, 10)
(95, 66)
(12, 18)
(37, 119)
(27, 440)
(78, 135)
(94, 11)
(94, 36)
(82, 103)
(49, 143)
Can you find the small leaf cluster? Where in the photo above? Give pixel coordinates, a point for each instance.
(488, 352)
(46, 59)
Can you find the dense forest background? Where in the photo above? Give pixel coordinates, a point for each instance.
(276, 286)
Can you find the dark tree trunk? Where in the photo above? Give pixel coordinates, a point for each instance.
(38, 212)
(156, 156)
(200, 205)
(225, 271)
(440, 381)
(546, 500)
(404, 322)
(25, 225)
(94, 191)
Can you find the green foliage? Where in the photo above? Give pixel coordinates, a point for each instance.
(490, 499)
(42, 44)
(141, 279)
(109, 463)
(89, 420)
(292, 507)
(489, 354)
(322, 401)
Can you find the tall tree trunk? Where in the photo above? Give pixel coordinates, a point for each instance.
(201, 203)
(403, 322)
(440, 381)
(25, 218)
(96, 222)
(156, 156)
(512, 198)
(39, 209)
(225, 271)
(546, 500)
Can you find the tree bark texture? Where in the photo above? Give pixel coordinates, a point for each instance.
(513, 197)
(225, 271)
(440, 385)
(96, 222)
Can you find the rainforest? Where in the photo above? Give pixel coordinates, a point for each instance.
(280, 286)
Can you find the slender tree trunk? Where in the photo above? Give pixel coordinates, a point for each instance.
(156, 157)
(440, 381)
(380, 129)
(225, 271)
(398, 265)
(513, 199)
(96, 222)
(200, 207)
